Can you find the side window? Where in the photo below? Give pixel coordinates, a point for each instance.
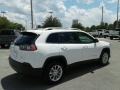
(68, 38)
(53, 38)
(85, 39)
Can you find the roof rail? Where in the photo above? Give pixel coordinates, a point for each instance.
(51, 28)
(74, 29)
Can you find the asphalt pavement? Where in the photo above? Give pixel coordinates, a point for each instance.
(82, 76)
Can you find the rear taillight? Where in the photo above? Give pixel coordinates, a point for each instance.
(31, 47)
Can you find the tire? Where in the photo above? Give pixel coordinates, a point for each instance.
(2, 46)
(104, 58)
(53, 72)
(111, 38)
(105, 36)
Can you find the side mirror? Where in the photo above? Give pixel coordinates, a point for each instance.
(96, 40)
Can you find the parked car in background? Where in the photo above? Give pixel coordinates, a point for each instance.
(94, 34)
(106, 33)
(100, 33)
(51, 51)
(114, 34)
(7, 36)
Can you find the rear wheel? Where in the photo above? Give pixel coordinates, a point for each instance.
(104, 58)
(53, 72)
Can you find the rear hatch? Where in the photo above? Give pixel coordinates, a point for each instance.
(23, 46)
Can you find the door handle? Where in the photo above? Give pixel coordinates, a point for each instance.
(85, 47)
(64, 48)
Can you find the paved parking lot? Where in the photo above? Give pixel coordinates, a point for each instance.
(83, 76)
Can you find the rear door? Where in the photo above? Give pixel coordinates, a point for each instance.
(70, 47)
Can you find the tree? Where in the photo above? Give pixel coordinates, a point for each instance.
(110, 26)
(39, 26)
(77, 25)
(52, 22)
(93, 28)
(16, 26)
(87, 29)
(6, 24)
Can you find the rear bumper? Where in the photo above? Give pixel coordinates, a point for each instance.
(24, 68)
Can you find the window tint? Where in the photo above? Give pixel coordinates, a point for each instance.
(84, 38)
(53, 38)
(26, 39)
(69, 37)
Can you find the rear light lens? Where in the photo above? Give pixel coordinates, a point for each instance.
(31, 47)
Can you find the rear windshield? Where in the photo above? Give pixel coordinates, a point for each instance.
(26, 38)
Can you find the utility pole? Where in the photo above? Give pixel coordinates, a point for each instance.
(26, 23)
(31, 14)
(117, 14)
(102, 12)
(102, 15)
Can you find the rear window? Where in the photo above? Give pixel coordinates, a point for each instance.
(26, 38)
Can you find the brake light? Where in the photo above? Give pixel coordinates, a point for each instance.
(31, 47)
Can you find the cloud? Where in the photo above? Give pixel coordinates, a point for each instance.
(89, 1)
(19, 11)
(86, 1)
(111, 1)
(88, 17)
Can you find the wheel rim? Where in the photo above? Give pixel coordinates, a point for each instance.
(55, 73)
(105, 58)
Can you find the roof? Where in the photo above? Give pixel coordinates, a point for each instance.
(39, 31)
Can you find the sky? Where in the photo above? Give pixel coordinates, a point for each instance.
(88, 12)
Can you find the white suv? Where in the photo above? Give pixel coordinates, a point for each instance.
(51, 51)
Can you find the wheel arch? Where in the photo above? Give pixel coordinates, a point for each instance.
(60, 59)
(105, 50)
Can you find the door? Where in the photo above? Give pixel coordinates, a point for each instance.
(70, 47)
(89, 46)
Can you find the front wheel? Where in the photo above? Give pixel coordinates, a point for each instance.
(104, 58)
(53, 72)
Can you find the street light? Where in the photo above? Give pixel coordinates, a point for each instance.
(31, 14)
(3, 13)
(117, 14)
(51, 12)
